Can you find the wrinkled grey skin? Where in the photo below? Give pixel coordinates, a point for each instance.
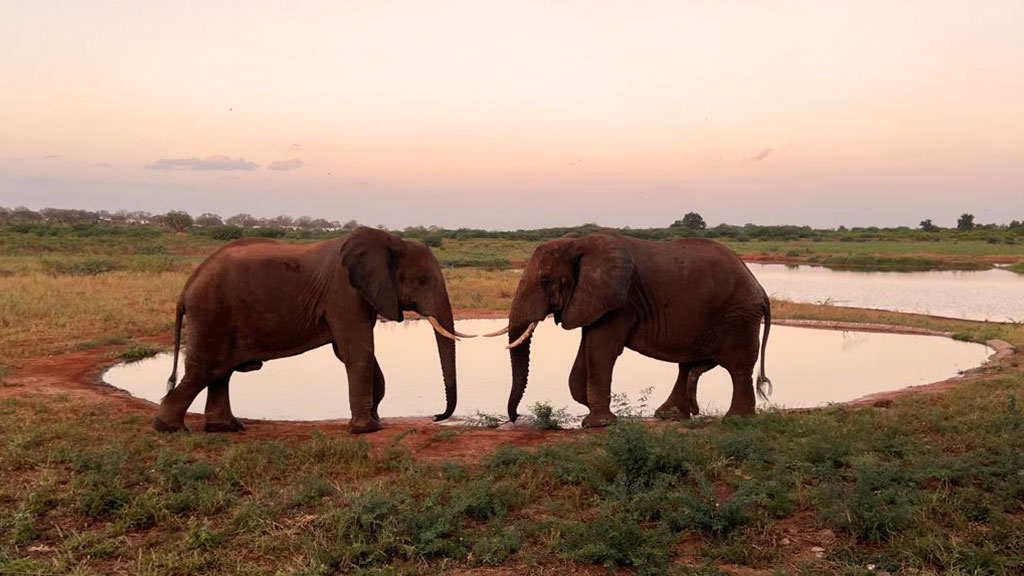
(256, 300)
(692, 302)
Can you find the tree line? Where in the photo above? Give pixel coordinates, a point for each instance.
(691, 224)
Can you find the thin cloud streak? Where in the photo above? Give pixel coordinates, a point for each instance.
(216, 162)
(285, 165)
(761, 155)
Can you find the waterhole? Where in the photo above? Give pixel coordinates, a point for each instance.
(809, 367)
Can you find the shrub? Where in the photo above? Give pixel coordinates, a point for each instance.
(137, 352)
(547, 418)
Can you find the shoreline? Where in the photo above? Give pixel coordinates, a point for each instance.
(81, 374)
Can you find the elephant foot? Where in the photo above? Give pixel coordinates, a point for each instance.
(598, 420)
(232, 425)
(739, 412)
(671, 413)
(161, 426)
(371, 426)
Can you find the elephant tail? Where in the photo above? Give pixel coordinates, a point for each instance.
(764, 385)
(173, 380)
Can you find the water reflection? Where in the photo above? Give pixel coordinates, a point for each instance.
(809, 368)
(994, 295)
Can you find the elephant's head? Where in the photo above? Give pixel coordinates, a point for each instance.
(579, 280)
(395, 275)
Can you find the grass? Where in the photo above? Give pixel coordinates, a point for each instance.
(929, 484)
(1017, 267)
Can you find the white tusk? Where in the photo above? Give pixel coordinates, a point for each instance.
(498, 333)
(461, 335)
(440, 329)
(524, 337)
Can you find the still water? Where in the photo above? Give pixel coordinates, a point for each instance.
(995, 295)
(808, 367)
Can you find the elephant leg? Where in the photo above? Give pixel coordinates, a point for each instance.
(605, 342)
(674, 407)
(742, 390)
(378, 390)
(578, 375)
(691, 385)
(218, 408)
(170, 416)
(359, 366)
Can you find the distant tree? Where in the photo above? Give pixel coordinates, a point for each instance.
(927, 226)
(691, 221)
(242, 220)
(139, 217)
(207, 219)
(1014, 224)
(320, 224)
(304, 223)
(282, 222)
(23, 214)
(966, 222)
(178, 221)
(350, 225)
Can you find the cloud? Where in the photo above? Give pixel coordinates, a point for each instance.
(217, 162)
(285, 165)
(761, 155)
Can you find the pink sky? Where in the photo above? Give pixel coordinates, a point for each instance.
(518, 114)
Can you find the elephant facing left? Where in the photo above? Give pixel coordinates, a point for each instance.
(256, 299)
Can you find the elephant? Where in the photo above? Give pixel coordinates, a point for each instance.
(255, 300)
(692, 302)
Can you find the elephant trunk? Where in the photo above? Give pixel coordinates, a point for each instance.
(520, 356)
(446, 353)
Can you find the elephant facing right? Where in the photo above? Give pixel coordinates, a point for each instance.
(692, 302)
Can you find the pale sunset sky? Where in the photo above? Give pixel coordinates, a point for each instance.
(518, 114)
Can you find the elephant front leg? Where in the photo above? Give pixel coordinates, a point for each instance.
(360, 370)
(604, 343)
(578, 374)
(378, 390)
(218, 408)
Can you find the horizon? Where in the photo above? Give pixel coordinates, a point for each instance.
(518, 115)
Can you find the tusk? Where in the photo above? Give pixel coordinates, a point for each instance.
(498, 333)
(440, 329)
(524, 337)
(461, 335)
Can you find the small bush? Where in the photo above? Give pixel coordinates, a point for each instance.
(547, 418)
(311, 490)
(615, 539)
(496, 547)
(138, 352)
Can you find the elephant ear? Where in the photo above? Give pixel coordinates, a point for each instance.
(604, 272)
(369, 257)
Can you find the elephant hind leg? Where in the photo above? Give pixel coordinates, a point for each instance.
(682, 401)
(743, 401)
(170, 416)
(218, 408)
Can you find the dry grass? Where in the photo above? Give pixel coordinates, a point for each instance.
(42, 314)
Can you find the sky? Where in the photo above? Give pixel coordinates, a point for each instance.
(518, 114)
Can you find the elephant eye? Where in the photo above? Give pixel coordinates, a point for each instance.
(545, 280)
